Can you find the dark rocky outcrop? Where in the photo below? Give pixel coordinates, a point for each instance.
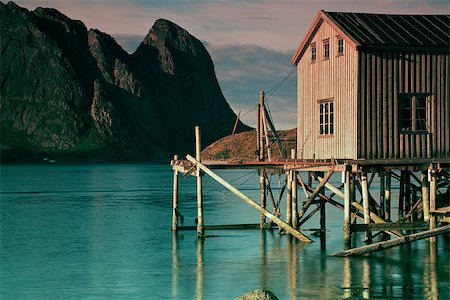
(258, 295)
(72, 93)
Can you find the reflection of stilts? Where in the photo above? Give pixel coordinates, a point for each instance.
(430, 276)
(199, 271)
(366, 279)
(263, 272)
(292, 267)
(175, 265)
(347, 279)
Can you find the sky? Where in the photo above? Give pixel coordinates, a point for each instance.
(251, 42)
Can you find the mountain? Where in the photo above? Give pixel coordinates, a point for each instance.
(74, 94)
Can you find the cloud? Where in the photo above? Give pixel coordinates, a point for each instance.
(245, 70)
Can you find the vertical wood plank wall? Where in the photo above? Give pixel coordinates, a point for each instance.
(334, 78)
(384, 75)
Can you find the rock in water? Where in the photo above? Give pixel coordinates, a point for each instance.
(75, 93)
(258, 295)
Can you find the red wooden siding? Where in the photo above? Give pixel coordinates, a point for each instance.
(383, 77)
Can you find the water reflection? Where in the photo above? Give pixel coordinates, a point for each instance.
(175, 265)
(199, 281)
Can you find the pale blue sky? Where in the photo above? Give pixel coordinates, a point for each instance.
(251, 42)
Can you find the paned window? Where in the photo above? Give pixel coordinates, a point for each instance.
(413, 112)
(340, 46)
(326, 49)
(326, 117)
(313, 52)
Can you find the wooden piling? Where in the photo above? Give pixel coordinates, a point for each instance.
(262, 195)
(289, 199)
(347, 212)
(401, 196)
(425, 196)
(433, 190)
(175, 198)
(198, 156)
(387, 196)
(382, 195)
(249, 201)
(365, 195)
(294, 193)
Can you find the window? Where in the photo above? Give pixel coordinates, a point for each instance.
(340, 46)
(326, 117)
(413, 112)
(313, 52)
(326, 49)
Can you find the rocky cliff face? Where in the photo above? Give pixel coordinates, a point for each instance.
(75, 93)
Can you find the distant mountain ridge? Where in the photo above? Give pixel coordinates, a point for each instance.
(75, 93)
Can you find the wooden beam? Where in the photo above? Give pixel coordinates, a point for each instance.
(393, 243)
(391, 226)
(249, 201)
(314, 194)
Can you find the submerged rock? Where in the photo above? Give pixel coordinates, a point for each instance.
(258, 295)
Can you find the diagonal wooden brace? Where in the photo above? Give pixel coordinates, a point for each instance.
(249, 201)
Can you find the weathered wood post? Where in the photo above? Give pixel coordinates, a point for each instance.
(175, 198)
(294, 193)
(425, 196)
(433, 190)
(347, 211)
(365, 194)
(261, 150)
(401, 196)
(262, 196)
(382, 195)
(289, 199)
(323, 218)
(198, 157)
(388, 196)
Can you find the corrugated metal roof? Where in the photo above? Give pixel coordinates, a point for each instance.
(383, 31)
(394, 30)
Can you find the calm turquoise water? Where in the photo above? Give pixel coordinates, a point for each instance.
(102, 232)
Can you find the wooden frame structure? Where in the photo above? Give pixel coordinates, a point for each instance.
(421, 204)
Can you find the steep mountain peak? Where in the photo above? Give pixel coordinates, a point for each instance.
(76, 93)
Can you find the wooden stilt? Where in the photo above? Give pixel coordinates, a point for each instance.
(289, 199)
(262, 195)
(347, 212)
(401, 196)
(433, 190)
(382, 195)
(387, 197)
(249, 201)
(294, 194)
(365, 194)
(425, 196)
(323, 220)
(407, 206)
(175, 198)
(359, 207)
(198, 151)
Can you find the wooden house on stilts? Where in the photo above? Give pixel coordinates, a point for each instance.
(373, 99)
(374, 92)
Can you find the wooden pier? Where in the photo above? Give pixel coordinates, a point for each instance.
(423, 198)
